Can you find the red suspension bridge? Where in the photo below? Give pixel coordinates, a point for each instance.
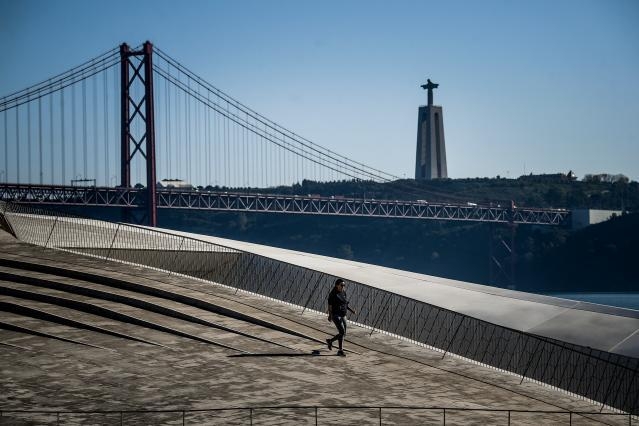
(102, 133)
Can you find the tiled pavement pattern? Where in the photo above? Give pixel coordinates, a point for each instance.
(175, 372)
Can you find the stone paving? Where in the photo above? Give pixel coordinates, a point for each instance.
(38, 373)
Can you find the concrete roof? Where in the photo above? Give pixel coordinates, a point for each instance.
(602, 327)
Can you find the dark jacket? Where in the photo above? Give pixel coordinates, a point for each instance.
(338, 302)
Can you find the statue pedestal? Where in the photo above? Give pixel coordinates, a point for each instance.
(431, 148)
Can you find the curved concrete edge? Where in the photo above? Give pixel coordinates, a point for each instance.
(561, 319)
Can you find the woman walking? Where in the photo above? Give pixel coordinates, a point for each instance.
(337, 310)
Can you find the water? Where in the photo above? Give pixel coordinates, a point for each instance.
(621, 300)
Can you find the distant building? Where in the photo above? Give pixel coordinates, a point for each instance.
(174, 183)
(430, 161)
(585, 217)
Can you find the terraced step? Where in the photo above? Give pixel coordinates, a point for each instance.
(186, 295)
(143, 301)
(107, 310)
(19, 308)
(17, 324)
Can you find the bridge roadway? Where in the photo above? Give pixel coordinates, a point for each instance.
(247, 202)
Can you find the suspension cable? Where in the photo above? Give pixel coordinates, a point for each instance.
(274, 126)
(267, 135)
(61, 76)
(14, 103)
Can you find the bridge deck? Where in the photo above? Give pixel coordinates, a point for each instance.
(45, 195)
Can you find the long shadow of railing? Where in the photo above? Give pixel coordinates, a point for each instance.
(608, 378)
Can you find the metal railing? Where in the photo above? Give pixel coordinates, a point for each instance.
(608, 378)
(318, 415)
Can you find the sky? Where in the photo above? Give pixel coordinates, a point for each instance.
(526, 86)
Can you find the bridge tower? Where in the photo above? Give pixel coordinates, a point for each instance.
(430, 161)
(142, 109)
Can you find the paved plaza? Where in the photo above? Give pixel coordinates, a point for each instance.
(174, 363)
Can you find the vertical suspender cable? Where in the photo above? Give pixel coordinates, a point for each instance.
(197, 149)
(17, 145)
(201, 129)
(187, 132)
(51, 139)
(207, 138)
(84, 128)
(237, 157)
(29, 142)
(6, 149)
(95, 128)
(235, 149)
(74, 163)
(268, 154)
(246, 154)
(116, 123)
(63, 164)
(167, 132)
(227, 182)
(178, 132)
(260, 141)
(40, 171)
(106, 128)
(241, 155)
(218, 150)
(231, 166)
(282, 164)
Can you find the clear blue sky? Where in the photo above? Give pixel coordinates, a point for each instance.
(543, 85)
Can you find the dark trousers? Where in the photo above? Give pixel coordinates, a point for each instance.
(340, 323)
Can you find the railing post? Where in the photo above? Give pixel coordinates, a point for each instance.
(121, 418)
(57, 418)
(380, 416)
(444, 417)
(380, 314)
(113, 241)
(177, 253)
(182, 417)
(311, 294)
(251, 416)
(570, 418)
(51, 233)
(454, 335)
(523, 376)
(508, 417)
(316, 415)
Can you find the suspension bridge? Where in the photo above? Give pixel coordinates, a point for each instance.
(103, 132)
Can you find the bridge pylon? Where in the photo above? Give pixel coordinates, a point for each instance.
(132, 109)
